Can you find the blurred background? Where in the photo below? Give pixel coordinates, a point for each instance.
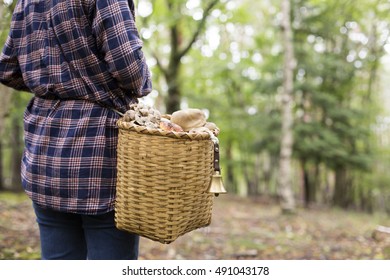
(300, 90)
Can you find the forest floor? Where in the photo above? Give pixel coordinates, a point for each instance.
(241, 228)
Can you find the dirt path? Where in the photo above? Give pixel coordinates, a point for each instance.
(246, 229)
(240, 229)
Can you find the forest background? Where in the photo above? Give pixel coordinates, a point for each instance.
(298, 88)
(226, 57)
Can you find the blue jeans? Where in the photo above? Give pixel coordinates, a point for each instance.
(66, 236)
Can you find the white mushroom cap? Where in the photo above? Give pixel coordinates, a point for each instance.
(189, 118)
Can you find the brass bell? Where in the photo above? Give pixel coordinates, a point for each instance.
(216, 184)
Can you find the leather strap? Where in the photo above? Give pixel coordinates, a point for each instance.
(216, 158)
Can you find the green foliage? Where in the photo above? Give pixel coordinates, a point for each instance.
(334, 79)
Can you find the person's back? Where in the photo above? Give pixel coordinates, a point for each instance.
(79, 49)
(82, 60)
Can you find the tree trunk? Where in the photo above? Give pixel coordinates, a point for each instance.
(5, 99)
(316, 183)
(172, 74)
(256, 175)
(1, 167)
(341, 196)
(174, 92)
(253, 180)
(310, 183)
(16, 157)
(229, 166)
(269, 166)
(306, 184)
(284, 179)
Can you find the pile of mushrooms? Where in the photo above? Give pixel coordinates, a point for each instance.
(186, 120)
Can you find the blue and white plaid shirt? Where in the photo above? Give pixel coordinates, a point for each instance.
(79, 58)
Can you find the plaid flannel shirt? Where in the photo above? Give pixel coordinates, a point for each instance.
(79, 58)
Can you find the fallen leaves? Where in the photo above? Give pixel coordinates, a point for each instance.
(241, 228)
(245, 229)
(19, 237)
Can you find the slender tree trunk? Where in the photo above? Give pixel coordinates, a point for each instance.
(5, 99)
(173, 102)
(316, 183)
(173, 71)
(374, 64)
(284, 179)
(341, 196)
(256, 176)
(269, 166)
(229, 166)
(16, 157)
(1, 167)
(306, 183)
(252, 179)
(310, 182)
(174, 92)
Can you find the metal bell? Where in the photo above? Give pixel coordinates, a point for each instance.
(216, 184)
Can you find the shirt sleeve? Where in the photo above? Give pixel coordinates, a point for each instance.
(10, 73)
(120, 45)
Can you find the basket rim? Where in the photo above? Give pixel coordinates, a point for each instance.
(132, 126)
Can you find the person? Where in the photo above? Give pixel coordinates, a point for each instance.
(83, 61)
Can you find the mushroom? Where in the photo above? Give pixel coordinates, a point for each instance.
(213, 127)
(169, 126)
(189, 118)
(143, 115)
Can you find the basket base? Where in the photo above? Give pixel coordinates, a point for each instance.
(166, 237)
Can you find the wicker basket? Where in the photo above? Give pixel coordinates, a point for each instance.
(162, 182)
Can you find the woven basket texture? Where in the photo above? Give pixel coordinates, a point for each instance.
(162, 182)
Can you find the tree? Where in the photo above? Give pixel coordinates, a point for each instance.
(5, 92)
(335, 76)
(181, 40)
(286, 142)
